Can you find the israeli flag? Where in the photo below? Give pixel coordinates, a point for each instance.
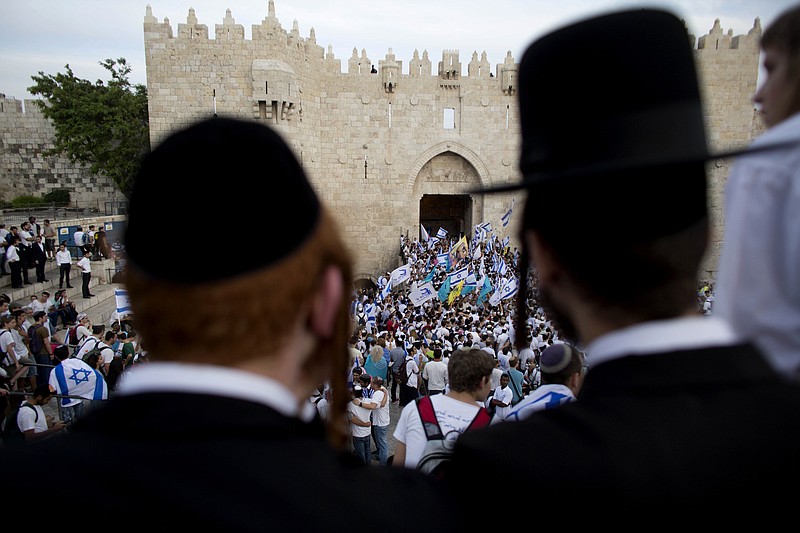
(459, 275)
(470, 285)
(442, 259)
(442, 233)
(502, 268)
(507, 217)
(370, 311)
(422, 294)
(73, 377)
(123, 304)
(508, 289)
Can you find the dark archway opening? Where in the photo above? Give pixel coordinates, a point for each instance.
(449, 211)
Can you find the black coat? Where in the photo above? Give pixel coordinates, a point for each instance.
(711, 430)
(182, 461)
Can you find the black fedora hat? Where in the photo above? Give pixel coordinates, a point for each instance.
(613, 93)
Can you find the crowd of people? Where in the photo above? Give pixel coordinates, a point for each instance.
(599, 384)
(31, 245)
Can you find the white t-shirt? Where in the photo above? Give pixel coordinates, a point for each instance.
(380, 416)
(436, 374)
(412, 371)
(453, 416)
(27, 419)
(78, 238)
(6, 338)
(363, 414)
(504, 395)
(91, 343)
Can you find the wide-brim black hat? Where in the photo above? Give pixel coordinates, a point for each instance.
(613, 93)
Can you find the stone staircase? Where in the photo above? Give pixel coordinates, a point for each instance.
(99, 307)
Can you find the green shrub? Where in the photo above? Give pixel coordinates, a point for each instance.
(26, 201)
(58, 197)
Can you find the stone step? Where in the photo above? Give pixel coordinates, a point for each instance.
(100, 307)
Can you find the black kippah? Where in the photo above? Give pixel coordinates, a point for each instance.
(230, 188)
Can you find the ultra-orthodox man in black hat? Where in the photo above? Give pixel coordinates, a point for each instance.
(215, 432)
(674, 415)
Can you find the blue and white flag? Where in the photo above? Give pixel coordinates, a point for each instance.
(424, 236)
(400, 274)
(443, 259)
(508, 289)
(507, 217)
(370, 311)
(73, 377)
(386, 290)
(459, 275)
(442, 233)
(470, 284)
(506, 241)
(422, 294)
(123, 304)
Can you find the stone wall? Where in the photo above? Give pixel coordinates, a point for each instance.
(25, 136)
(426, 128)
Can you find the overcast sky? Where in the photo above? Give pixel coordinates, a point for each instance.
(45, 35)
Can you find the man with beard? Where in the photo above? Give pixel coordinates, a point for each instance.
(675, 417)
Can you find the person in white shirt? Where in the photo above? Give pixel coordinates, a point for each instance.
(85, 264)
(32, 420)
(562, 369)
(378, 403)
(96, 341)
(469, 372)
(79, 237)
(435, 373)
(501, 399)
(360, 426)
(758, 285)
(64, 262)
(410, 390)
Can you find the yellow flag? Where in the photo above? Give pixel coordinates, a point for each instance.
(455, 292)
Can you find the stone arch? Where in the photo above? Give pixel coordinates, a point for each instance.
(449, 171)
(443, 147)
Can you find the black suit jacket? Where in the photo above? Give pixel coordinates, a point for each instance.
(37, 253)
(182, 461)
(714, 431)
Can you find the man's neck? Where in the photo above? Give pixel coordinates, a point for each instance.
(466, 396)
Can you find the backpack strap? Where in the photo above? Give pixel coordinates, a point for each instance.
(35, 412)
(428, 417)
(482, 418)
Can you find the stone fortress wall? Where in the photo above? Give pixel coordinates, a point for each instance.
(25, 136)
(387, 145)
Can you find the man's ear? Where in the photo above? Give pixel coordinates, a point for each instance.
(325, 305)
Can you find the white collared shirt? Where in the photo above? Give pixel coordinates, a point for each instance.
(216, 380)
(658, 336)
